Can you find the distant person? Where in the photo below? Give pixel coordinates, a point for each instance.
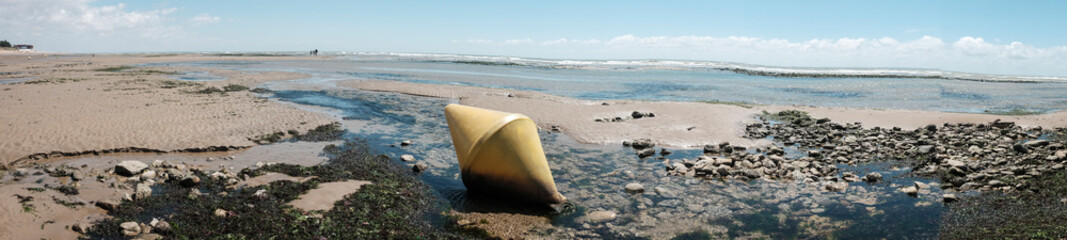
(315, 52)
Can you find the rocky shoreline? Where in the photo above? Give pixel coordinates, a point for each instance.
(998, 156)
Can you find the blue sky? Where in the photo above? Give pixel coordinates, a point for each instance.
(1018, 37)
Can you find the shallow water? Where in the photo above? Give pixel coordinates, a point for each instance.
(592, 177)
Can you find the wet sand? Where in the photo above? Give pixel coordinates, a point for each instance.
(71, 106)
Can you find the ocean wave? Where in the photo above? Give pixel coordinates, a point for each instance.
(740, 68)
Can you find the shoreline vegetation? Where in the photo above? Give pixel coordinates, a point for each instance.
(1016, 163)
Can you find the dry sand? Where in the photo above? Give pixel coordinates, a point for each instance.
(677, 124)
(74, 107)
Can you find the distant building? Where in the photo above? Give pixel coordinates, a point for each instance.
(24, 47)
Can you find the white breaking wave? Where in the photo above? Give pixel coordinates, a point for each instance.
(741, 68)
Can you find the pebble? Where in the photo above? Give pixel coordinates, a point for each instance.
(407, 158)
(634, 188)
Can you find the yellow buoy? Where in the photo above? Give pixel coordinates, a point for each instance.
(500, 154)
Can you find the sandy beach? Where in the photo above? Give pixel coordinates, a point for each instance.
(97, 111)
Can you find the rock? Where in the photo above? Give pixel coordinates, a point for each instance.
(775, 150)
(646, 152)
(190, 181)
(82, 228)
(921, 185)
(109, 205)
(931, 127)
(637, 115)
(419, 167)
(161, 227)
(911, 191)
(948, 197)
(77, 175)
(407, 158)
(1020, 148)
(142, 191)
(996, 183)
(600, 216)
(220, 212)
(837, 186)
(974, 149)
(1036, 143)
(955, 163)
(642, 143)
(664, 152)
(665, 192)
(712, 148)
(626, 143)
(130, 228)
(814, 153)
(850, 177)
(925, 149)
(130, 168)
(801, 164)
(405, 143)
(148, 174)
(1061, 154)
(999, 124)
(634, 188)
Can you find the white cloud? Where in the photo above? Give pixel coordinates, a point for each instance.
(968, 53)
(86, 25)
(204, 18)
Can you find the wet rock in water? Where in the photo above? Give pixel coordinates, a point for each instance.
(407, 158)
(837, 186)
(850, 177)
(600, 216)
(109, 205)
(130, 168)
(142, 191)
(642, 143)
(664, 152)
(910, 190)
(948, 197)
(405, 143)
(130, 228)
(634, 188)
(814, 153)
(775, 150)
(646, 152)
(626, 143)
(921, 185)
(419, 167)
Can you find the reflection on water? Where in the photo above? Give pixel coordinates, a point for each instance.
(593, 176)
